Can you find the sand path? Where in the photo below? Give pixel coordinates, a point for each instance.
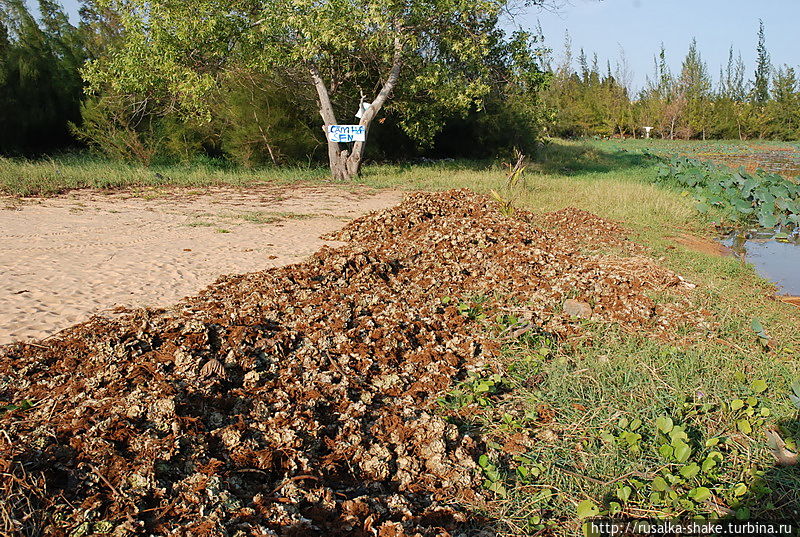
(63, 259)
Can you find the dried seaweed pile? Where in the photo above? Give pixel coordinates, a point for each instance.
(299, 400)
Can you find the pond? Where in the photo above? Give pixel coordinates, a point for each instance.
(775, 256)
(781, 160)
(778, 260)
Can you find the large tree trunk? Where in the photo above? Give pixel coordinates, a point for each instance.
(346, 165)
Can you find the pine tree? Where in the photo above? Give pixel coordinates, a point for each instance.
(763, 68)
(41, 85)
(583, 63)
(664, 75)
(785, 105)
(695, 87)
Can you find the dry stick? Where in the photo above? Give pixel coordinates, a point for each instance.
(731, 345)
(581, 476)
(111, 486)
(294, 478)
(601, 482)
(335, 365)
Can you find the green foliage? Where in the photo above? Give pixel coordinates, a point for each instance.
(186, 47)
(494, 479)
(40, 87)
(23, 405)
(110, 125)
(478, 388)
(767, 199)
(763, 69)
(587, 102)
(259, 121)
(514, 180)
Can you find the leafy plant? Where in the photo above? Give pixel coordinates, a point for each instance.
(767, 199)
(494, 479)
(759, 331)
(23, 405)
(514, 177)
(476, 389)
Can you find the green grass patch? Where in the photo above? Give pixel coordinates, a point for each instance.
(69, 172)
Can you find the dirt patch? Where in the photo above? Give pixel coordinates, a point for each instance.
(704, 246)
(302, 400)
(65, 258)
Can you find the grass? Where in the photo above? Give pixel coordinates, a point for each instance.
(268, 217)
(57, 175)
(592, 405)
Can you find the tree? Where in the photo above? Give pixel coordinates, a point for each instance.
(40, 87)
(351, 51)
(695, 85)
(763, 68)
(784, 108)
(731, 108)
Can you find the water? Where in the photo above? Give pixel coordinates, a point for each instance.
(781, 160)
(776, 260)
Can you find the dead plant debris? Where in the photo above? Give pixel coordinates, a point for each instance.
(302, 400)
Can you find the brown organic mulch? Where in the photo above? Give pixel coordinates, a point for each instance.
(302, 400)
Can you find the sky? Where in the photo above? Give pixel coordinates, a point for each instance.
(640, 26)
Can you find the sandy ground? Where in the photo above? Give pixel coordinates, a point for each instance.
(63, 259)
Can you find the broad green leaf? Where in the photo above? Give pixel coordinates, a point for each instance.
(758, 386)
(659, 484)
(690, 470)
(678, 433)
(664, 424)
(682, 451)
(700, 494)
(744, 426)
(587, 508)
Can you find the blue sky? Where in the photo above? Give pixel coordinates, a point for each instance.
(639, 26)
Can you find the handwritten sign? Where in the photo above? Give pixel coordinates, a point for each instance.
(347, 133)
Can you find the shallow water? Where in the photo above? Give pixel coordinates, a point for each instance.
(783, 161)
(776, 260)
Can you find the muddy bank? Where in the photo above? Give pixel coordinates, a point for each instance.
(302, 400)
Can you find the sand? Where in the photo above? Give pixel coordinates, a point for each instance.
(87, 253)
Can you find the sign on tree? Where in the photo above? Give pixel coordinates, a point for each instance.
(347, 133)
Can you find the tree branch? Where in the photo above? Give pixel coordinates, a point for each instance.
(386, 90)
(325, 106)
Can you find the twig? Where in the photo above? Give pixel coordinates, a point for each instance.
(731, 345)
(110, 485)
(295, 478)
(581, 476)
(601, 482)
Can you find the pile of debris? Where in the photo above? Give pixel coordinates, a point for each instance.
(302, 400)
